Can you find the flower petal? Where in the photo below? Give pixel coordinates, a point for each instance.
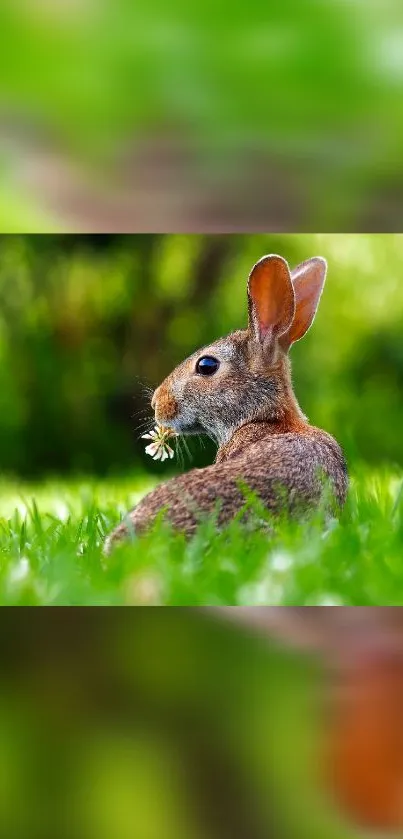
(152, 449)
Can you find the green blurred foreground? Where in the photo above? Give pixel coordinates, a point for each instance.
(157, 724)
(51, 552)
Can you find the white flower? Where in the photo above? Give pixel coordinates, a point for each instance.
(159, 448)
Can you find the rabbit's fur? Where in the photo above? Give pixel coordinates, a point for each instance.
(249, 408)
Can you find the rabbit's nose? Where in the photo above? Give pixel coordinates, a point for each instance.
(164, 404)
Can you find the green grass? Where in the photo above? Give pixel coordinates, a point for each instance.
(51, 540)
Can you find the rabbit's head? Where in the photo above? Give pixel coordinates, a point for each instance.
(245, 376)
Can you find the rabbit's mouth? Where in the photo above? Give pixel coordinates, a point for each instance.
(180, 425)
(171, 412)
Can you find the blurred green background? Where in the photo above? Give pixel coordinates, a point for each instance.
(86, 322)
(151, 116)
(158, 724)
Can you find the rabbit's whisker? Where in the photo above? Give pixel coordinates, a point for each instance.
(187, 449)
(147, 417)
(180, 451)
(201, 441)
(144, 427)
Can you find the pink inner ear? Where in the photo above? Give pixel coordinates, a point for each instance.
(264, 329)
(271, 296)
(263, 299)
(308, 280)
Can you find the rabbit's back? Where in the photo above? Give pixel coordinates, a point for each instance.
(299, 464)
(285, 471)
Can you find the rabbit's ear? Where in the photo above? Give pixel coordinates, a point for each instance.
(308, 281)
(270, 300)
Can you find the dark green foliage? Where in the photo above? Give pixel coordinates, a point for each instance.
(87, 322)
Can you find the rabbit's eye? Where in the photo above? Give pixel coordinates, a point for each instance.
(207, 365)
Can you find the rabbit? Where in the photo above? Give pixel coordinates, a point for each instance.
(238, 391)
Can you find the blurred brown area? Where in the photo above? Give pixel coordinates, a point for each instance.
(362, 650)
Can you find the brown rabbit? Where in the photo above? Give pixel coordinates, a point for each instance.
(238, 391)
